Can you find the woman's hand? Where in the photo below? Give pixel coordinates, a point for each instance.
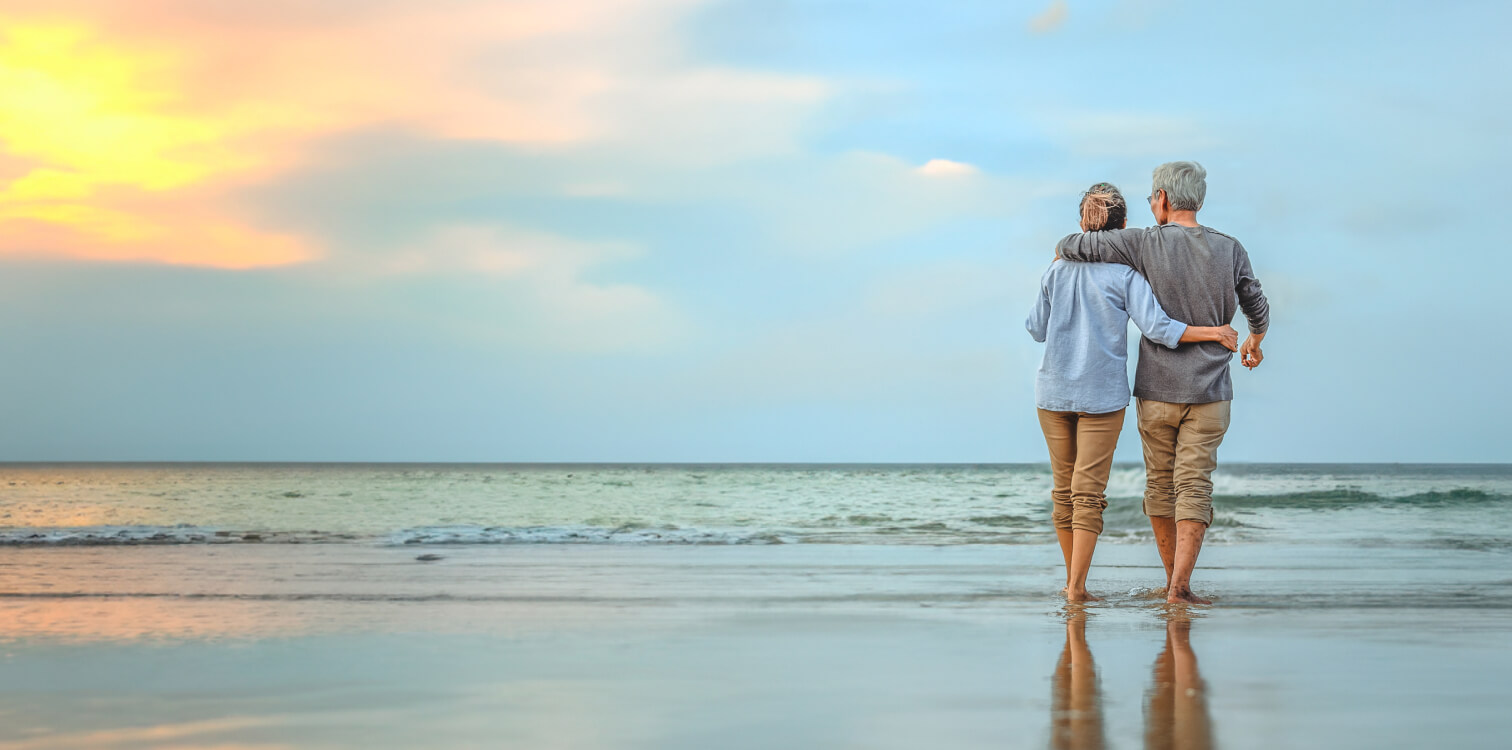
(1228, 337)
(1225, 335)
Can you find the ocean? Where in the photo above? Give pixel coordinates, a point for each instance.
(741, 606)
(1426, 506)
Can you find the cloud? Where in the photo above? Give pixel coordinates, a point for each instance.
(86, 232)
(499, 250)
(81, 121)
(1050, 19)
(508, 284)
(832, 205)
(945, 168)
(126, 124)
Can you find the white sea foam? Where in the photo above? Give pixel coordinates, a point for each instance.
(581, 534)
(141, 535)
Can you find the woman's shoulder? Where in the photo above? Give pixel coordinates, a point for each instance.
(1093, 271)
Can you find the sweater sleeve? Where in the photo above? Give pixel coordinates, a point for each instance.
(1251, 299)
(1107, 246)
(1147, 313)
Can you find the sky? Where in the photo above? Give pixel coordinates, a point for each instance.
(721, 230)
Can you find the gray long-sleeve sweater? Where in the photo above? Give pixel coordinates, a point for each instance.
(1201, 277)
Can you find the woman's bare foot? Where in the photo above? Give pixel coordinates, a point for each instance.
(1080, 595)
(1183, 594)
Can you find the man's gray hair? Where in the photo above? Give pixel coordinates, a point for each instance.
(1184, 182)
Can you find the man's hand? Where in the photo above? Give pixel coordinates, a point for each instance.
(1250, 354)
(1229, 338)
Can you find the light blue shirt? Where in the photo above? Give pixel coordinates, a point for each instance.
(1083, 315)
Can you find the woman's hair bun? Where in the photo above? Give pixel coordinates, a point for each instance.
(1102, 207)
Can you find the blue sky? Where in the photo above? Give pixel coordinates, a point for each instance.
(670, 230)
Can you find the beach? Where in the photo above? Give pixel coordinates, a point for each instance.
(672, 647)
(196, 636)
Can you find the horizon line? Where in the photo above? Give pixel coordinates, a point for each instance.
(222, 462)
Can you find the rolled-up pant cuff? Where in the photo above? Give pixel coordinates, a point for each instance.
(1183, 509)
(1082, 513)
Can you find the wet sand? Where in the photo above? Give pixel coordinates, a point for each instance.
(849, 646)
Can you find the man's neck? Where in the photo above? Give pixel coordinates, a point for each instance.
(1184, 218)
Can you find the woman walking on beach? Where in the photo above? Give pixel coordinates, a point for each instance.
(1082, 315)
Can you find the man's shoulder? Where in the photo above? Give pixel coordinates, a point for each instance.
(1225, 235)
(1143, 234)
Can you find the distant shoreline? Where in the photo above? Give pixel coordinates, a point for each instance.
(734, 464)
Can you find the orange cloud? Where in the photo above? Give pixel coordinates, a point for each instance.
(158, 102)
(124, 123)
(90, 117)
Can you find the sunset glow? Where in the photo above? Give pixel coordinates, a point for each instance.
(98, 124)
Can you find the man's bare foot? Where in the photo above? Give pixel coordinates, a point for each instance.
(1080, 595)
(1183, 594)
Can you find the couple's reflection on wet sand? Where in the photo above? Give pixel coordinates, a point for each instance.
(1176, 713)
(1175, 704)
(1075, 696)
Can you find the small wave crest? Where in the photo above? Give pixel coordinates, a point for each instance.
(630, 533)
(105, 536)
(1347, 497)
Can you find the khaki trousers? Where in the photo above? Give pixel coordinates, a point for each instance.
(1081, 455)
(1180, 451)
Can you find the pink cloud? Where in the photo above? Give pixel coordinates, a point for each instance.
(164, 104)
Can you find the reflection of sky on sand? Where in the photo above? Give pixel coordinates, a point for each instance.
(128, 619)
(268, 591)
(253, 591)
(803, 646)
(761, 679)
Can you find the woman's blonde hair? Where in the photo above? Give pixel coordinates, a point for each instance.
(1103, 207)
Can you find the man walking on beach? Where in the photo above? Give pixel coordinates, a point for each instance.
(1182, 395)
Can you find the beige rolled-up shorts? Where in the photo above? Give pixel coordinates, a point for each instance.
(1181, 450)
(1081, 455)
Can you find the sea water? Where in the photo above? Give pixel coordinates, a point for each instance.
(1426, 506)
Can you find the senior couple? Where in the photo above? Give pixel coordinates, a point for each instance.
(1181, 283)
